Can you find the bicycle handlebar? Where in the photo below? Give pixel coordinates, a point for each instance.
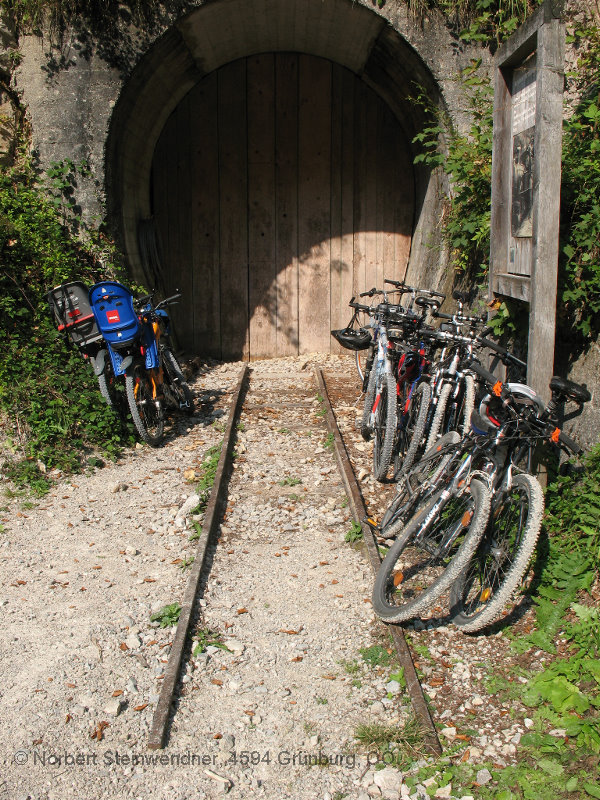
(502, 352)
(499, 388)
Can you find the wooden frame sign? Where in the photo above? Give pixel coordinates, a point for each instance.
(526, 166)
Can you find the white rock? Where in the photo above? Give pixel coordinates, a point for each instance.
(444, 791)
(449, 733)
(190, 504)
(113, 707)
(389, 780)
(483, 776)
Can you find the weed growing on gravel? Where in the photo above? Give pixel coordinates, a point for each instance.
(355, 534)
(197, 532)
(289, 481)
(328, 443)
(322, 701)
(186, 562)
(209, 469)
(376, 655)
(396, 745)
(351, 667)
(167, 616)
(205, 637)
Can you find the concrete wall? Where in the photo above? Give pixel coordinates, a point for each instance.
(103, 95)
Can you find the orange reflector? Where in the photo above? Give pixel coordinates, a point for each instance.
(555, 434)
(466, 518)
(398, 578)
(485, 595)
(497, 388)
(372, 521)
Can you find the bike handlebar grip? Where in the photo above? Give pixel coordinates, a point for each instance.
(370, 293)
(498, 387)
(394, 283)
(441, 315)
(569, 443)
(502, 351)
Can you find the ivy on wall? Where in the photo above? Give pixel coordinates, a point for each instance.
(51, 399)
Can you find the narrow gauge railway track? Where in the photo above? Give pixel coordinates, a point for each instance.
(300, 408)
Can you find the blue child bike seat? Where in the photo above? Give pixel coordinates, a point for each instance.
(112, 304)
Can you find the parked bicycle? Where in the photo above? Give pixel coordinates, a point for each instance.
(138, 348)
(482, 554)
(74, 318)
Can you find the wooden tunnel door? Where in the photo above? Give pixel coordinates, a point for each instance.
(282, 185)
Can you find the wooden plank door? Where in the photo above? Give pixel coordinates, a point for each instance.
(282, 185)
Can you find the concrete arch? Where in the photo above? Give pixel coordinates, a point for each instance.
(219, 32)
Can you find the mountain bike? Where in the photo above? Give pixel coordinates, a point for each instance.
(484, 590)
(139, 349)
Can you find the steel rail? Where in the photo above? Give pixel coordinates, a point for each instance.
(160, 723)
(359, 512)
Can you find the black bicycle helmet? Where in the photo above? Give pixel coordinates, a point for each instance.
(353, 338)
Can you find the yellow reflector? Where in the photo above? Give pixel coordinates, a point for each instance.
(398, 578)
(485, 595)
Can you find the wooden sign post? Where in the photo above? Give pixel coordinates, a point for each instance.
(526, 167)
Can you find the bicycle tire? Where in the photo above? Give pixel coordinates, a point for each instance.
(488, 584)
(458, 418)
(178, 383)
(366, 429)
(418, 411)
(438, 417)
(146, 410)
(402, 594)
(104, 389)
(385, 427)
(429, 468)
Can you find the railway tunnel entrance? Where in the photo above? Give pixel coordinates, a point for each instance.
(274, 166)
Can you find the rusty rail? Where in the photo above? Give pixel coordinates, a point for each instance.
(162, 713)
(359, 512)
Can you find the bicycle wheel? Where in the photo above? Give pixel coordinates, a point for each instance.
(430, 553)
(183, 398)
(366, 427)
(425, 473)
(486, 586)
(410, 437)
(385, 426)
(146, 409)
(453, 413)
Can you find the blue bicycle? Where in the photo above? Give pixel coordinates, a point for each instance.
(138, 348)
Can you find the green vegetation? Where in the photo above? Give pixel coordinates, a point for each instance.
(46, 391)
(376, 655)
(205, 484)
(289, 481)
(167, 616)
(395, 745)
(355, 534)
(205, 637)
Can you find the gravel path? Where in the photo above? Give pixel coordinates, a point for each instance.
(272, 714)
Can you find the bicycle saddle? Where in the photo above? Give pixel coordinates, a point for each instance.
(574, 391)
(429, 302)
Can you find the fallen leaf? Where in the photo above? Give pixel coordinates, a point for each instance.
(123, 646)
(117, 693)
(297, 658)
(140, 707)
(217, 682)
(242, 611)
(329, 677)
(68, 718)
(98, 732)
